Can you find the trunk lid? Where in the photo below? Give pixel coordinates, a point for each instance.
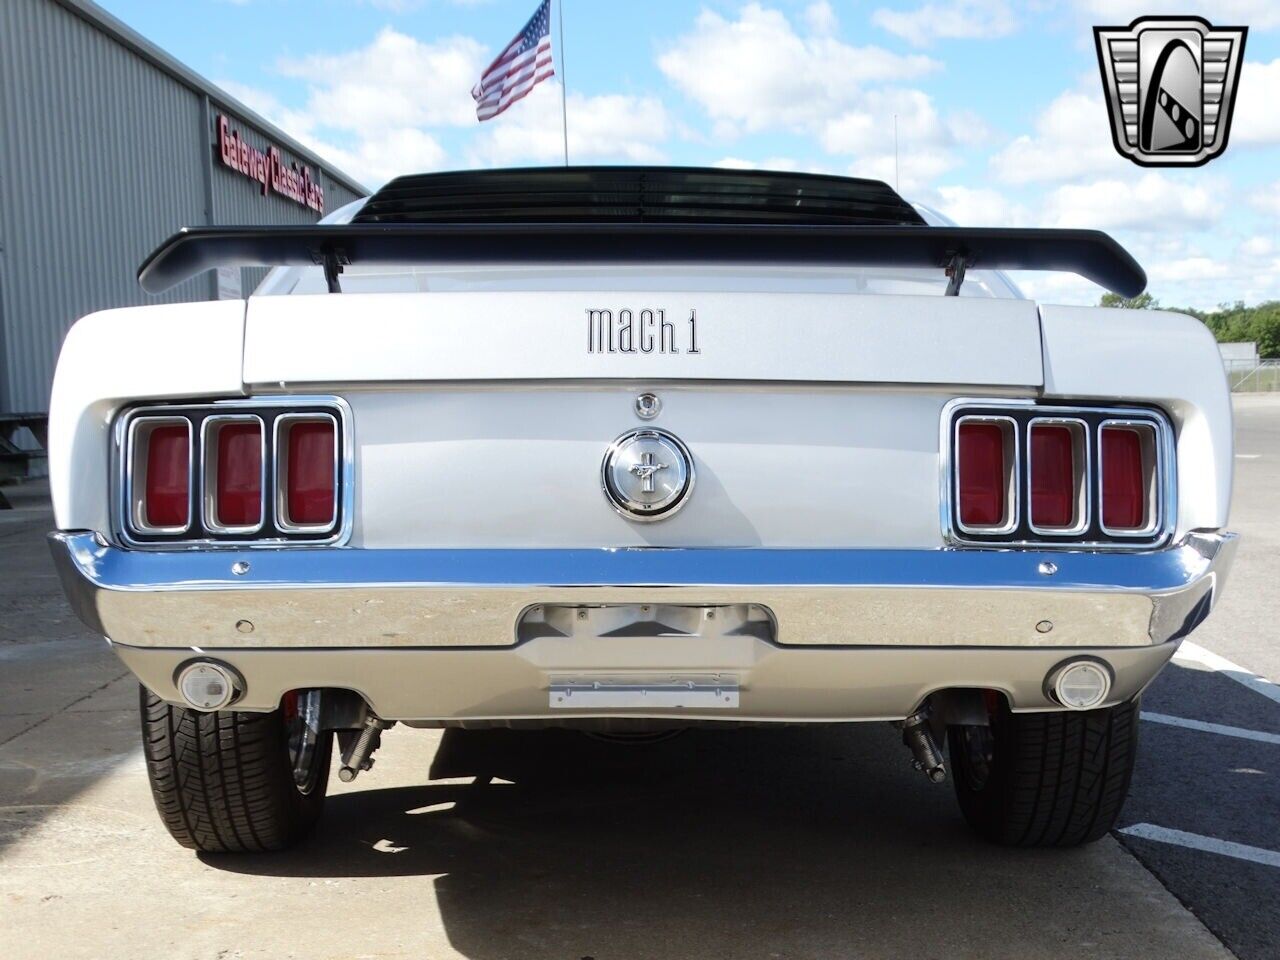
(481, 419)
(297, 341)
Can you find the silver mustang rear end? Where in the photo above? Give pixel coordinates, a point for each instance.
(648, 447)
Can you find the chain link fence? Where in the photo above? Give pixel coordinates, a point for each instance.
(1260, 377)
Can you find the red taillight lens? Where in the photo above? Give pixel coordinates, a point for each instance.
(309, 473)
(1053, 476)
(239, 474)
(1124, 480)
(167, 497)
(983, 476)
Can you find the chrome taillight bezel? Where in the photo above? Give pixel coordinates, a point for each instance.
(135, 483)
(1089, 532)
(280, 458)
(1013, 470)
(209, 471)
(1153, 480)
(1081, 441)
(203, 529)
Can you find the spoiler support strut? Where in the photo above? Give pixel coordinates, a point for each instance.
(955, 273)
(333, 260)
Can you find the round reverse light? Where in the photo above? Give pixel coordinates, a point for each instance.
(207, 686)
(1080, 684)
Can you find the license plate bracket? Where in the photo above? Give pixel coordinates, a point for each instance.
(667, 692)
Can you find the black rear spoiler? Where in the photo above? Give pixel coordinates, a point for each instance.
(1089, 253)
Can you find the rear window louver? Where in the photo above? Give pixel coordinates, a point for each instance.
(635, 195)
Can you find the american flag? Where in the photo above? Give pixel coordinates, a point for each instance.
(519, 68)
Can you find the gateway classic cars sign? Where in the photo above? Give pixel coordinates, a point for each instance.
(269, 169)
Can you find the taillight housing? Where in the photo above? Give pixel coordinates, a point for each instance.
(306, 469)
(160, 494)
(1019, 472)
(1058, 475)
(235, 449)
(269, 471)
(1129, 472)
(986, 457)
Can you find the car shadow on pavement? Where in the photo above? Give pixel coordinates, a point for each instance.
(777, 840)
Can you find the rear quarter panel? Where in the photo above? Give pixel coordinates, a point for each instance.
(1157, 357)
(110, 358)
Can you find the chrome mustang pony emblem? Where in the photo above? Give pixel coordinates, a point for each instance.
(645, 470)
(647, 474)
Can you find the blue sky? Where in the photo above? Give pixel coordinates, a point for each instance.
(999, 106)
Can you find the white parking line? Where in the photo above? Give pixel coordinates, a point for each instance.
(1225, 848)
(1220, 728)
(1195, 653)
(1248, 456)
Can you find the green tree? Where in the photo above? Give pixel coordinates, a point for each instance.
(1265, 329)
(1143, 301)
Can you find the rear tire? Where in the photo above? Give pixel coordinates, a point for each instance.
(1045, 779)
(224, 782)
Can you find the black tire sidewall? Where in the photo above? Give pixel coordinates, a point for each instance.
(223, 782)
(1045, 788)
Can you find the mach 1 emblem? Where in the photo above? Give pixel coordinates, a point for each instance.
(644, 330)
(1170, 84)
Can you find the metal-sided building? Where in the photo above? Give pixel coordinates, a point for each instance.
(107, 146)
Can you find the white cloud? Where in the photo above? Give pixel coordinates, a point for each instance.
(820, 18)
(1072, 138)
(735, 163)
(788, 164)
(980, 207)
(1267, 199)
(926, 140)
(911, 175)
(1249, 272)
(1153, 202)
(757, 72)
(395, 81)
(1256, 119)
(1188, 269)
(378, 111)
(1257, 247)
(609, 127)
(297, 123)
(959, 19)
(373, 159)
(381, 156)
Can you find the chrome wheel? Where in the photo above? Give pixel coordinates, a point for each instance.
(300, 712)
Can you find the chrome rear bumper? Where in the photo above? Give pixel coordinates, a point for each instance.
(342, 597)
(432, 634)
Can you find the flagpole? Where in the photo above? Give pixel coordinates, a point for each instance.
(564, 110)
